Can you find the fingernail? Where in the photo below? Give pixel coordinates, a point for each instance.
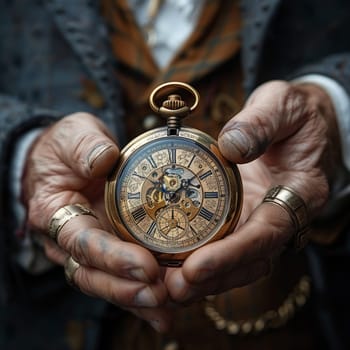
(145, 298)
(235, 138)
(181, 291)
(138, 274)
(96, 152)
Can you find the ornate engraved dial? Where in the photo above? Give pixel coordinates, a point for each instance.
(172, 194)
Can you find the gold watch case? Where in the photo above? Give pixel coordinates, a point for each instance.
(171, 190)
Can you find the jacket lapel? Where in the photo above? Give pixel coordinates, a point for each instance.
(85, 31)
(256, 17)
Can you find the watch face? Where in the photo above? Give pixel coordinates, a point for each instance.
(172, 194)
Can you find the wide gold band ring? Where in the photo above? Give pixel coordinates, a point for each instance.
(295, 206)
(70, 267)
(63, 215)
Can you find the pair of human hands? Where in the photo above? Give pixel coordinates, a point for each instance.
(285, 135)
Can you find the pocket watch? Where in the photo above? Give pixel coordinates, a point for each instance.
(171, 190)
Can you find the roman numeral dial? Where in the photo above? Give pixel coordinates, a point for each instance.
(171, 190)
(172, 195)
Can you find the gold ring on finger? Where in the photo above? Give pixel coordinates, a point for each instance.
(295, 206)
(63, 215)
(70, 267)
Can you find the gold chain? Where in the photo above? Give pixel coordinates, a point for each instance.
(271, 319)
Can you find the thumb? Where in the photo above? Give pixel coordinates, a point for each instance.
(86, 147)
(273, 112)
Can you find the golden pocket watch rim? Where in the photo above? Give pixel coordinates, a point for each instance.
(171, 256)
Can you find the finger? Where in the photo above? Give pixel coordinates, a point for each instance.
(119, 291)
(272, 113)
(84, 147)
(255, 240)
(83, 143)
(182, 291)
(83, 238)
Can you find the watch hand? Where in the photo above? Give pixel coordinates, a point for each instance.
(192, 178)
(145, 178)
(196, 186)
(169, 229)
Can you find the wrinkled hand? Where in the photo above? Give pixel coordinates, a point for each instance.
(67, 165)
(285, 135)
